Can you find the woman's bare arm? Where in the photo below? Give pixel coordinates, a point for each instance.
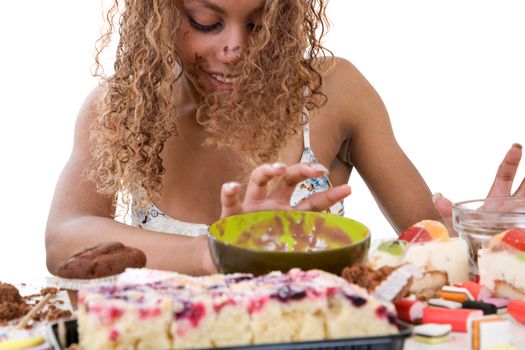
(395, 183)
(80, 217)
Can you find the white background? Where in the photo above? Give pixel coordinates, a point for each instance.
(451, 73)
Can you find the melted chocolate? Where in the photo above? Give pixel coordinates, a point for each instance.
(266, 235)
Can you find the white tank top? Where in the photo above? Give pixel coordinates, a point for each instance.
(152, 218)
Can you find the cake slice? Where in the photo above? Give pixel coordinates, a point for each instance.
(442, 259)
(184, 312)
(502, 264)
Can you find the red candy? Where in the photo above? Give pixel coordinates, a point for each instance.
(478, 291)
(457, 318)
(409, 310)
(516, 309)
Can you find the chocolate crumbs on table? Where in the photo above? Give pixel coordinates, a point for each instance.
(13, 306)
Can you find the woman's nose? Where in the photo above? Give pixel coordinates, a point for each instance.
(233, 45)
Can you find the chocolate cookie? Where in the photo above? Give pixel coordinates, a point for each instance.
(102, 260)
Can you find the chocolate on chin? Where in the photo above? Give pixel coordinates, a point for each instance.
(102, 260)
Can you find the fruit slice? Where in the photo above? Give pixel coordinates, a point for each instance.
(424, 231)
(437, 230)
(495, 242)
(415, 234)
(515, 238)
(395, 247)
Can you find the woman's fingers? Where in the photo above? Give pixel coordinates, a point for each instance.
(256, 190)
(520, 192)
(502, 185)
(444, 207)
(294, 175)
(231, 199)
(324, 200)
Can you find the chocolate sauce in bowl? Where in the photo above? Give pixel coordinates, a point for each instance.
(266, 235)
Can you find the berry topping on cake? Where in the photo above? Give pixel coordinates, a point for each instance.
(425, 231)
(395, 247)
(277, 307)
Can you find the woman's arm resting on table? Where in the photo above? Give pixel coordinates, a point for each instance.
(80, 217)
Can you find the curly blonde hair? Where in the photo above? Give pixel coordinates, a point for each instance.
(137, 112)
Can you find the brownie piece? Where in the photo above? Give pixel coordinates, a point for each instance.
(11, 303)
(106, 259)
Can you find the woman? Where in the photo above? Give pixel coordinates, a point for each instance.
(218, 107)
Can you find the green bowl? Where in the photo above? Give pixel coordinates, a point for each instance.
(261, 242)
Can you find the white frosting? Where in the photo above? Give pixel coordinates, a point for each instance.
(396, 281)
(450, 256)
(500, 265)
(381, 258)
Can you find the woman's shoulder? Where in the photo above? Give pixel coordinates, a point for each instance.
(341, 75)
(348, 89)
(90, 106)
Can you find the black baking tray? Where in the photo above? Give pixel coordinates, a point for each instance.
(391, 342)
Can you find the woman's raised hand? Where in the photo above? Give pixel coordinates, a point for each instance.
(501, 187)
(258, 197)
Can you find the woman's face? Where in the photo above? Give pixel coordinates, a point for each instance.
(211, 38)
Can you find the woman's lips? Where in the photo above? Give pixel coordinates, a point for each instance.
(220, 81)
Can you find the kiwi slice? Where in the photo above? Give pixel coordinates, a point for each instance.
(395, 247)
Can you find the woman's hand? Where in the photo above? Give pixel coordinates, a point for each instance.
(257, 197)
(501, 187)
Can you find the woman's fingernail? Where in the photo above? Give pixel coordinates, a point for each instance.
(320, 167)
(436, 196)
(278, 165)
(517, 145)
(231, 185)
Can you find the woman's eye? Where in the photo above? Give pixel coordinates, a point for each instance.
(202, 27)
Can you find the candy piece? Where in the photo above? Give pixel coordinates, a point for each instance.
(501, 304)
(478, 291)
(21, 343)
(516, 309)
(488, 309)
(444, 303)
(515, 237)
(409, 310)
(457, 294)
(457, 318)
(489, 332)
(432, 333)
